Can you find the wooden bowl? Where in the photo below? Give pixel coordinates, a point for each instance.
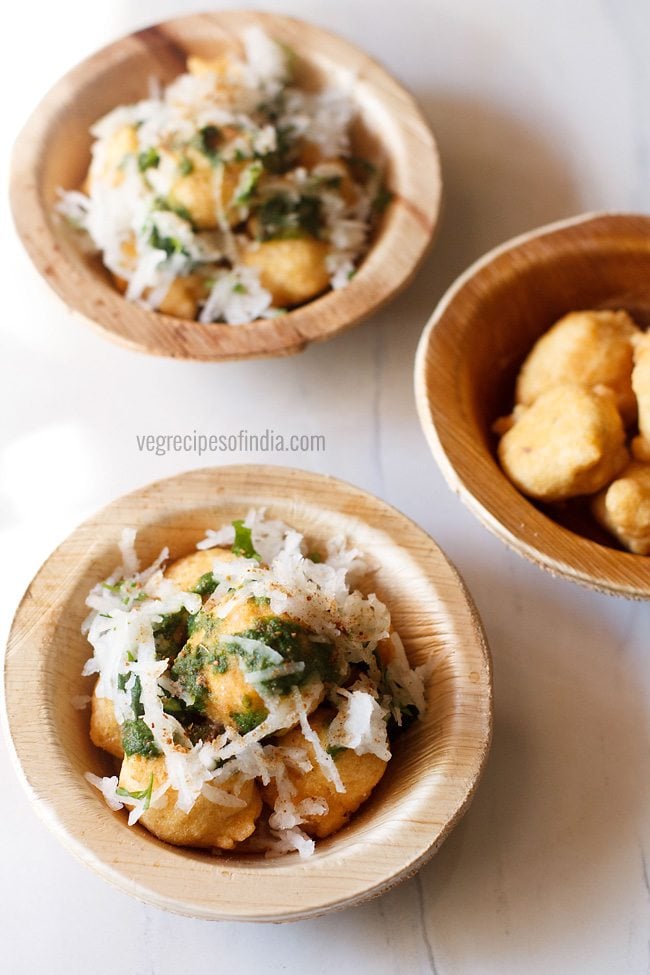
(436, 764)
(53, 151)
(468, 359)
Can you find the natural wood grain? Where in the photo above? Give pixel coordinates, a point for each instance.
(53, 151)
(469, 356)
(436, 763)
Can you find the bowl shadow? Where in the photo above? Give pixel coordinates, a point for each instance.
(564, 792)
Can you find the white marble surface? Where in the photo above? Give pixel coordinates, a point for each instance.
(540, 108)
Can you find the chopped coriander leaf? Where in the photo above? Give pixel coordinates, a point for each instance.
(189, 665)
(240, 289)
(206, 584)
(114, 586)
(182, 212)
(335, 750)
(137, 739)
(185, 166)
(136, 692)
(170, 245)
(193, 622)
(173, 705)
(160, 203)
(249, 718)
(148, 159)
(170, 634)
(248, 183)
(207, 141)
(243, 544)
(283, 155)
(283, 217)
(144, 794)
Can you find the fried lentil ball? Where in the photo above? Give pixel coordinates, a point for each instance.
(292, 270)
(587, 348)
(359, 774)
(207, 824)
(207, 191)
(210, 669)
(105, 731)
(571, 441)
(623, 508)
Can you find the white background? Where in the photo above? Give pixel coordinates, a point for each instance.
(541, 111)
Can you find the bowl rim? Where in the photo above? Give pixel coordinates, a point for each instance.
(386, 270)
(628, 573)
(369, 875)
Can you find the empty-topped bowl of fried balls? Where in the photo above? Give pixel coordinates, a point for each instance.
(533, 389)
(226, 185)
(245, 688)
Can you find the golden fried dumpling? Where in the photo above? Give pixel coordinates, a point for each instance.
(183, 296)
(206, 191)
(207, 824)
(105, 731)
(214, 677)
(571, 441)
(359, 774)
(624, 508)
(214, 671)
(641, 387)
(293, 270)
(587, 348)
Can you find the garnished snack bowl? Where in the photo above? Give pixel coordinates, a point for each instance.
(53, 152)
(468, 359)
(436, 762)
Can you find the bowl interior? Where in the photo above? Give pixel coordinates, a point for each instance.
(469, 359)
(54, 152)
(436, 762)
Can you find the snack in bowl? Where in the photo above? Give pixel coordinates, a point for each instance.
(230, 195)
(581, 409)
(248, 689)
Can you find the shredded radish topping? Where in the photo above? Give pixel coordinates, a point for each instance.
(127, 612)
